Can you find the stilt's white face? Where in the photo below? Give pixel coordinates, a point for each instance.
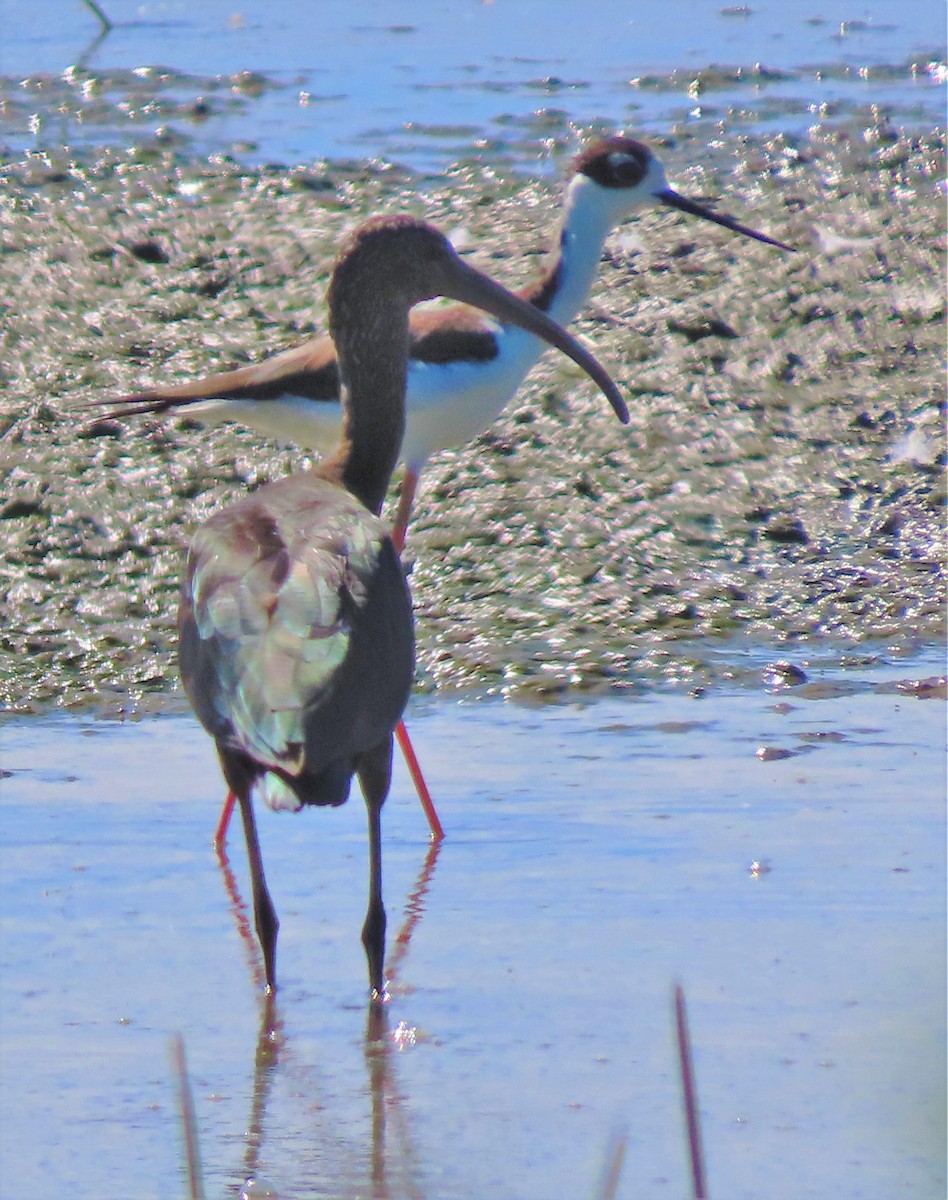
(622, 175)
(599, 207)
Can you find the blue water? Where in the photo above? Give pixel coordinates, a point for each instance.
(423, 82)
(594, 854)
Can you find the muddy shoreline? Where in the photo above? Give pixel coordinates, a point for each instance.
(782, 479)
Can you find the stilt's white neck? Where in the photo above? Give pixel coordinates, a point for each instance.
(590, 214)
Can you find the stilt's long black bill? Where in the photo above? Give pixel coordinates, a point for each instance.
(673, 200)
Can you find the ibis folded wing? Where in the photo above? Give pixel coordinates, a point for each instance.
(280, 591)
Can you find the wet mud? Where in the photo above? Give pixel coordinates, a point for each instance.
(782, 479)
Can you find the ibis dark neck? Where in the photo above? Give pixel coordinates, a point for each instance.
(373, 364)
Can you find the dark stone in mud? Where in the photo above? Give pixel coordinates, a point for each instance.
(149, 252)
(314, 183)
(784, 674)
(694, 331)
(15, 509)
(786, 531)
(102, 428)
(773, 753)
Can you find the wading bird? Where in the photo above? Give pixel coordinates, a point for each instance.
(296, 639)
(463, 368)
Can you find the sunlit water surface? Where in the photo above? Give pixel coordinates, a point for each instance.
(425, 84)
(781, 852)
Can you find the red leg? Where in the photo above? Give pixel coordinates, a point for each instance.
(399, 530)
(411, 761)
(414, 768)
(220, 834)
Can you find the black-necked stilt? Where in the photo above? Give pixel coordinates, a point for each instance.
(296, 639)
(463, 369)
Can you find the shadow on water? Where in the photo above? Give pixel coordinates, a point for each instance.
(242, 920)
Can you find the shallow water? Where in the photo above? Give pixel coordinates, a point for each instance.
(425, 84)
(595, 854)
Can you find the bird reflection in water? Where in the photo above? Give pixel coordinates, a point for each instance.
(395, 1172)
(391, 1160)
(414, 910)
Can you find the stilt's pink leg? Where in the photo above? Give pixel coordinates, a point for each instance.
(408, 753)
(220, 835)
(399, 530)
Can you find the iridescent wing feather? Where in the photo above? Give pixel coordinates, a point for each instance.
(276, 589)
